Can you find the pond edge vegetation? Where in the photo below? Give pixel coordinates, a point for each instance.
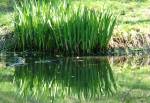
(63, 28)
(118, 45)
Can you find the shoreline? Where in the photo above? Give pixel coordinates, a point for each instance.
(137, 44)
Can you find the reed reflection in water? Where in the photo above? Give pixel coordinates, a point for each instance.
(79, 78)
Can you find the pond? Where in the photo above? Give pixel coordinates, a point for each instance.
(39, 78)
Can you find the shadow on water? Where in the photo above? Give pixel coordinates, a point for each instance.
(71, 77)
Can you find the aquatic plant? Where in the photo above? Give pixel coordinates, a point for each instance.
(62, 28)
(80, 78)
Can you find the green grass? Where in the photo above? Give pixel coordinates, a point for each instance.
(6, 16)
(133, 15)
(6, 13)
(5, 19)
(127, 9)
(66, 28)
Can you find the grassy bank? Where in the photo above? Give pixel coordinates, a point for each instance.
(6, 13)
(132, 30)
(133, 15)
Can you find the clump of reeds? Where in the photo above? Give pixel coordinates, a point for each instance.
(62, 28)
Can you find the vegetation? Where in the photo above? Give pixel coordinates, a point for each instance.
(133, 15)
(6, 15)
(63, 28)
(133, 19)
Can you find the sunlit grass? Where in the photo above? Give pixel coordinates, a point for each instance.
(133, 15)
(6, 14)
(6, 19)
(66, 29)
(133, 11)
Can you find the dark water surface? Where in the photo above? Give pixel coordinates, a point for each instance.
(38, 78)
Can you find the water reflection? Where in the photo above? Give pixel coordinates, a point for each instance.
(71, 77)
(39, 78)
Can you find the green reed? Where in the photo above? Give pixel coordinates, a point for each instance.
(62, 28)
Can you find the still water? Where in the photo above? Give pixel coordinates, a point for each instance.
(38, 78)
